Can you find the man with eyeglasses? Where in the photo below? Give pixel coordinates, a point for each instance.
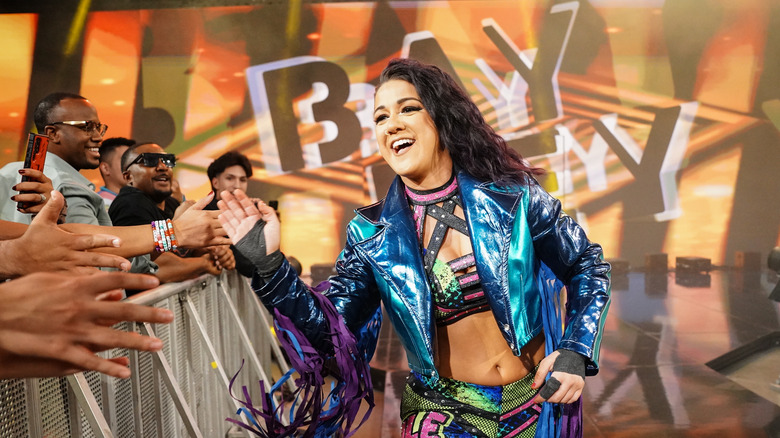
(74, 129)
(146, 198)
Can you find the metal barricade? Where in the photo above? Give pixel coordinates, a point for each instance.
(181, 391)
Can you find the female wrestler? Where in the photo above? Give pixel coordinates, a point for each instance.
(458, 252)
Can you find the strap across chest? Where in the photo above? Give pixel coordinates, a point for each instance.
(455, 295)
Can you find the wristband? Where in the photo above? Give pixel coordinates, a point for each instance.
(252, 246)
(570, 362)
(567, 362)
(270, 264)
(164, 237)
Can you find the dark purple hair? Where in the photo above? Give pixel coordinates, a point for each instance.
(472, 143)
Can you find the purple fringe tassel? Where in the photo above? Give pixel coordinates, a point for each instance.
(313, 416)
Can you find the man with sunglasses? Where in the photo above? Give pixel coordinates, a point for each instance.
(146, 198)
(147, 170)
(74, 129)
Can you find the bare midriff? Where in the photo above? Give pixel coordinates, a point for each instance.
(473, 350)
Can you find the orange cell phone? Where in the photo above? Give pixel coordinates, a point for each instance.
(35, 157)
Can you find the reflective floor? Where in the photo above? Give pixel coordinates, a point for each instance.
(662, 331)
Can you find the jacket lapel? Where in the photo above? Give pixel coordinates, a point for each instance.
(394, 251)
(490, 214)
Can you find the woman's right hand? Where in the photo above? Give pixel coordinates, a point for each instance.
(240, 214)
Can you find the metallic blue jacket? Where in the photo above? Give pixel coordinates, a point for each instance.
(512, 230)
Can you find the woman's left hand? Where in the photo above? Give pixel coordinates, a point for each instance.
(239, 214)
(35, 191)
(571, 385)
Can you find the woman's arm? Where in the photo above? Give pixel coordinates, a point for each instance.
(352, 291)
(309, 325)
(562, 245)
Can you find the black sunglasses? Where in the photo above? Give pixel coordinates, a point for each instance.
(150, 159)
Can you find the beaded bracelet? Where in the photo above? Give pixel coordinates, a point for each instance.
(164, 238)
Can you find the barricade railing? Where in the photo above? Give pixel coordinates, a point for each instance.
(180, 391)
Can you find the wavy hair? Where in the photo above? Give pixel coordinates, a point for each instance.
(229, 159)
(472, 143)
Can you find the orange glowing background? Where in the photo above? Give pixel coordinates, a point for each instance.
(626, 58)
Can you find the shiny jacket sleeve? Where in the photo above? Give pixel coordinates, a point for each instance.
(562, 245)
(352, 291)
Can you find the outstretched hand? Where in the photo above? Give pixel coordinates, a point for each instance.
(53, 324)
(240, 213)
(46, 247)
(198, 228)
(570, 387)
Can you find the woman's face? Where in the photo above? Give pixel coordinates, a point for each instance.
(407, 137)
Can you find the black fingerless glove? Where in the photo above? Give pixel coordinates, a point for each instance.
(252, 246)
(567, 362)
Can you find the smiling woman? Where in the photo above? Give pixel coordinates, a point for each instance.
(468, 254)
(407, 136)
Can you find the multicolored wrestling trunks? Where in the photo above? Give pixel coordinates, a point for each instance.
(451, 408)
